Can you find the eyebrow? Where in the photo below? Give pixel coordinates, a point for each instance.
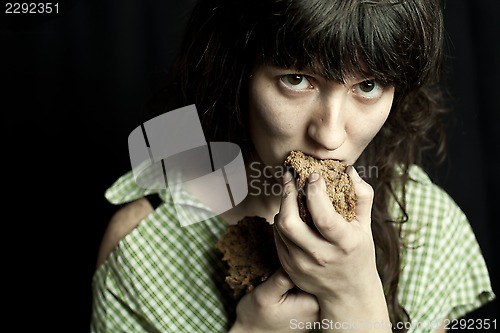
(321, 71)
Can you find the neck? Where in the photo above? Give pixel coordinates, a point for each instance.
(264, 194)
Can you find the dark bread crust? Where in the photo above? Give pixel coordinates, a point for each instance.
(250, 253)
(338, 183)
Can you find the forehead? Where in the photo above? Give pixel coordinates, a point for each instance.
(342, 39)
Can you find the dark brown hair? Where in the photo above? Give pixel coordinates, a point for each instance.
(396, 42)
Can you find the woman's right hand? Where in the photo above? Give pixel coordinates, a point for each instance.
(273, 307)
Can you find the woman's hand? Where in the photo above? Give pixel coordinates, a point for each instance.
(273, 307)
(335, 262)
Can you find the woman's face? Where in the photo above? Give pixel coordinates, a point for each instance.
(291, 110)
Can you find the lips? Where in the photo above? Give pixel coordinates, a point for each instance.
(338, 184)
(321, 156)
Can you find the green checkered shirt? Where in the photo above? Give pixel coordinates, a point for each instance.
(166, 278)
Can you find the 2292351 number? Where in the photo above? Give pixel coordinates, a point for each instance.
(470, 324)
(31, 8)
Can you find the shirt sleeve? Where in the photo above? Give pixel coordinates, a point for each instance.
(114, 299)
(444, 274)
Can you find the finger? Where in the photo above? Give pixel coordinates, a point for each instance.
(289, 247)
(288, 220)
(282, 250)
(330, 224)
(307, 301)
(296, 234)
(286, 250)
(364, 196)
(289, 205)
(280, 244)
(275, 287)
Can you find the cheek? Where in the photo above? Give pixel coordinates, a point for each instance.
(273, 126)
(363, 132)
(268, 117)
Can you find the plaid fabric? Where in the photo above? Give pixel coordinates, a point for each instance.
(166, 278)
(444, 274)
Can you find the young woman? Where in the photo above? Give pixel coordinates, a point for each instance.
(355, 81)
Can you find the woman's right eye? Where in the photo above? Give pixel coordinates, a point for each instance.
(296, 81)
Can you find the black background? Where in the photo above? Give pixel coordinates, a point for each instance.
(76, 83)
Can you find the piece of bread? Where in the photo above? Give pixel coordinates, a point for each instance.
(338, 183)
(248, 247)
(249, 250)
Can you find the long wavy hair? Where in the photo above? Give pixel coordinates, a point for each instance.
(398, 42)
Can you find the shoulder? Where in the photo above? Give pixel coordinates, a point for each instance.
(426, 201)
(123, 221)
(421, 185)
(435, 270)
(431, 213)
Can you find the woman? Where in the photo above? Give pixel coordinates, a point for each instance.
(349, 80)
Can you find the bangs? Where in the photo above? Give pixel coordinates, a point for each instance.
(384, 40)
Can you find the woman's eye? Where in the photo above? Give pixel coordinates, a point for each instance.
(296, 81)
(369, 89)
(367, 86)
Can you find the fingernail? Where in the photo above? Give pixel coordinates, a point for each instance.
(287, 177)
(313, 177)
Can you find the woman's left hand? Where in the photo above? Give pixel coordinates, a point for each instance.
(335, 262)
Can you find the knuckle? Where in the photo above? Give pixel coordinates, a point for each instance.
(259, 299)
(288, 190)
(349, 246)
(312, 304)
(365, 191)
(285, 263)
(281, 282)
(302, 267)
(320, 258)
(285, 223)
(347, 249)
(325, 223)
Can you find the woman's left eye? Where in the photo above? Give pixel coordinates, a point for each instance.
(296, 81)
(369, 89)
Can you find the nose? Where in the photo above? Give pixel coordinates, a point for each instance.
(327, 125)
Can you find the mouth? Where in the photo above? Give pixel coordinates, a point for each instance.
(298, 159)
(321, 156)
(301, 165)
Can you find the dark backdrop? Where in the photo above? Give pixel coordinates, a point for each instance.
(76, 83)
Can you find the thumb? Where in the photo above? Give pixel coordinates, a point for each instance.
(275, 287)
(364, 196)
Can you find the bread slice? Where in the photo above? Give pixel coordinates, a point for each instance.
(249, 250)
(338, 183)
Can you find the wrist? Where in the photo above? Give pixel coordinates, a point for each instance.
(368, 290)
(362, 310)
